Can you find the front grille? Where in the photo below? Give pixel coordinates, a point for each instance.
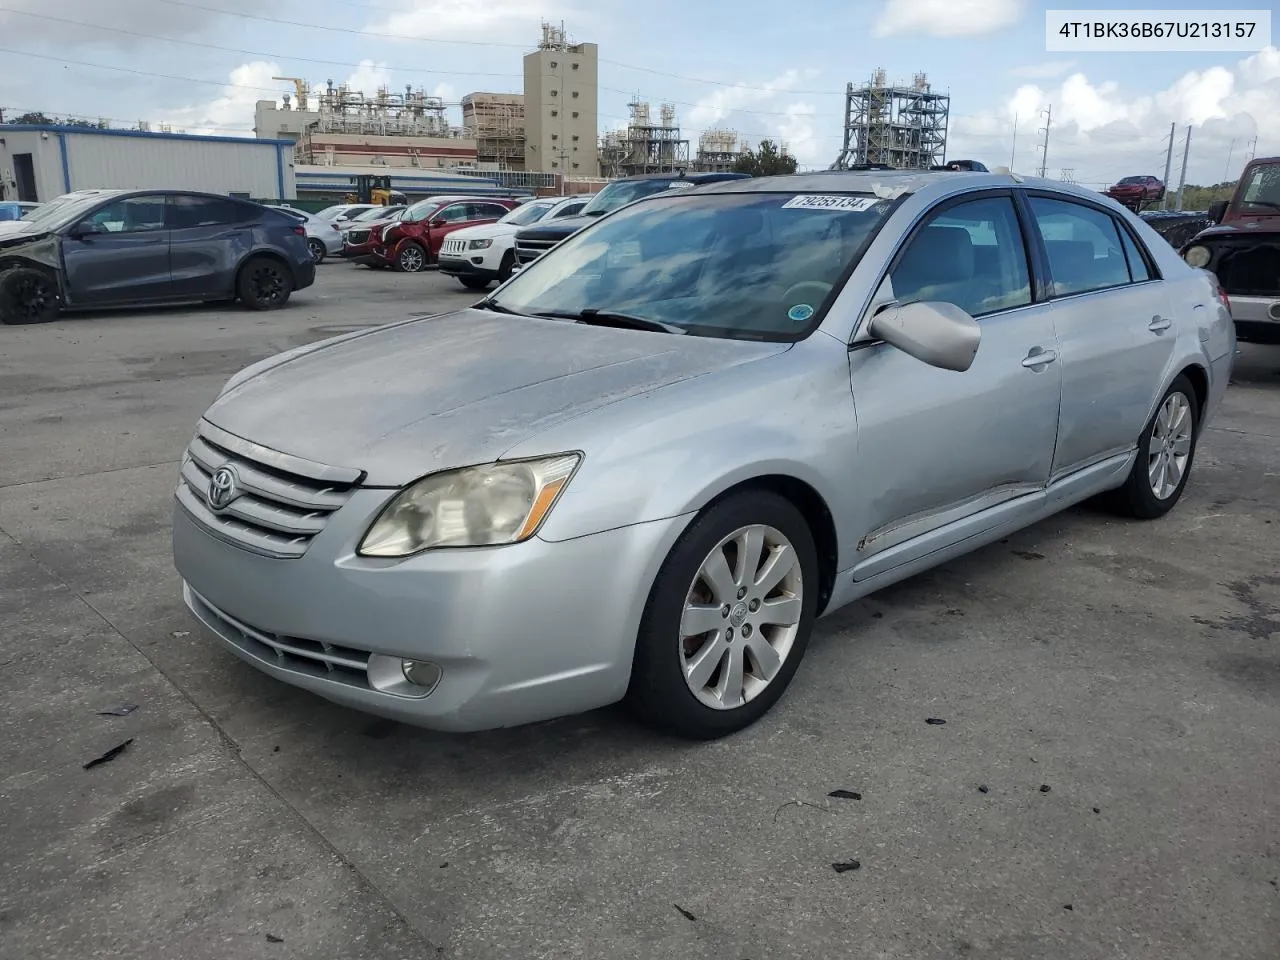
(357, 236)
(277, 512)
(314, 658)
(529, 250)
(454, 247)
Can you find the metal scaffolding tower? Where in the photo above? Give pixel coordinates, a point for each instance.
(645, 146)
(904, 127)
(718, 151)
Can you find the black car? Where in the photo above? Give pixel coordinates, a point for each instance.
(534, 241)
(971, 166)
(113, 248)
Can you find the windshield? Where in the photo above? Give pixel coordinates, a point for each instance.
(421, 210)
(526, 214)
(1262, 188)
(66, 209)
(1130, 180)
(756, 266)
(377, 213)
(622, 192)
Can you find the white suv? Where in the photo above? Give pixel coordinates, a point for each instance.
(479, 255)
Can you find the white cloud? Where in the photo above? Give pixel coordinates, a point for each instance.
(716, 106)
(368, 77)
(755, 107)
(1043, 71)
(947, 18)
(800, 135)
(1102, 134)
(231, 113)
(493, 20)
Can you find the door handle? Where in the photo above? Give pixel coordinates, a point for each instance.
(1039, 358)
(1159, 324)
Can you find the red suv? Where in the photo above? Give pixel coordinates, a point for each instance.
(413, 241)
(1135, 191)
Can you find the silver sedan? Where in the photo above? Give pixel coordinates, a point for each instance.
(640, 469)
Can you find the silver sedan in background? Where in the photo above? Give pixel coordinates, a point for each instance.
(643, 466)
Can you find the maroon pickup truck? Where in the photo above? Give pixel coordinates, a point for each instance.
(1242, 250)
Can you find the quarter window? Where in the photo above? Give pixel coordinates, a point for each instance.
(1082, 244)
(970, 255)
(1138, 269)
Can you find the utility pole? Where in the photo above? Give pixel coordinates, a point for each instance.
(1014, 149)
(1044, 147)
(1182, 179)
(1226, 172)
(1168, 166)
(1253, 147)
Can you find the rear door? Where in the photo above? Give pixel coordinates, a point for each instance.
(126, 257)
(1116, 327)
(208, 237)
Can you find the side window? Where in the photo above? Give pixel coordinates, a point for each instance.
(133, 215)
(569, 210)
(971, 255)
(186, 212)
(454, 213)
(1083, 246)
(1138, 269)
(486, 211)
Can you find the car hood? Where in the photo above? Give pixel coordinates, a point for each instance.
(405, 400)
(1243, 229)
(484, 231)
(19, 231)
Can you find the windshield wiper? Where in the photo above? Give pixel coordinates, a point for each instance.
(493, 305)
(608, 318)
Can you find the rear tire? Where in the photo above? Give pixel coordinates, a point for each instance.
(708, 620)
(264, 284)
(1166, 450)
(28, 296)
(317, 251)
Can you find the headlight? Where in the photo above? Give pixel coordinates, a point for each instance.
(1198, 256)
(481, 244)
(479, 506)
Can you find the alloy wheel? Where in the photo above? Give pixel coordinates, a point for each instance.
(31, 298)
(1169, 448)
(411, 259)
(268, 283)
(741, 617)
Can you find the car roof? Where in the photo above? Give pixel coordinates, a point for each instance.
(691, 177)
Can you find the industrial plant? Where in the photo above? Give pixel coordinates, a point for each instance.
(903, 127)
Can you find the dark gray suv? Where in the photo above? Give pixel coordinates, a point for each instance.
(114, 248)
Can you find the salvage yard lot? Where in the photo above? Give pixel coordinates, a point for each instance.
(1133, 669)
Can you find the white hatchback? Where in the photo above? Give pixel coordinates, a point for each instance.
(482, 254)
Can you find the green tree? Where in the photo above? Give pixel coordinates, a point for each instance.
(35, 118)
(1199, 198)
(767, 160)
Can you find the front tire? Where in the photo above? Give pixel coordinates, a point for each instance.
(264, 284)
(728, 618)
(474, 283)
(1166, 450)
(411, 259)
(28, 296)
(317, 251)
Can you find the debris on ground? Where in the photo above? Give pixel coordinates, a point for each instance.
(845, 795)
(934, 721)
(797, 803)
(179, 634)
(272, 938)
(1044, 788)
(121, 711)
(684, 913)
(109, 755)
(1028, 555)
(1097, 809)
(982, 788)
(1067, 906)
(846, 866)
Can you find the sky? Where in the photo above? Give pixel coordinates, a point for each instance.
(761, 69)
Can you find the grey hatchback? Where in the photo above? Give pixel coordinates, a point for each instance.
(123, 247)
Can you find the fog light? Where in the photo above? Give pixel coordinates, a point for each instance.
(421, 673)
(401, 677)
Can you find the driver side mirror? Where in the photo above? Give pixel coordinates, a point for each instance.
(937, 333)
(85, 229)
(1218, 210)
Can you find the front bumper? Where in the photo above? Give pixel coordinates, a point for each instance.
(455, 267)
(522, 633)
(1257, 319)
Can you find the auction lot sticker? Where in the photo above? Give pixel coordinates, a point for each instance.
(818, 201)
(1157, 31)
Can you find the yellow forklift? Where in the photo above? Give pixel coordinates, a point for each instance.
(375, 190)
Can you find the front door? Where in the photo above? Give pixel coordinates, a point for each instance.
(124, 259)
(1116, 330)
(945, 455)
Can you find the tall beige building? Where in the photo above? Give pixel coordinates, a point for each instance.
(560, 106)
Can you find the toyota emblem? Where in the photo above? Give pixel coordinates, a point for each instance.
(222, 487)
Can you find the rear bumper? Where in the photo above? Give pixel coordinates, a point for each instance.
(304, 274)
(1257, 319)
